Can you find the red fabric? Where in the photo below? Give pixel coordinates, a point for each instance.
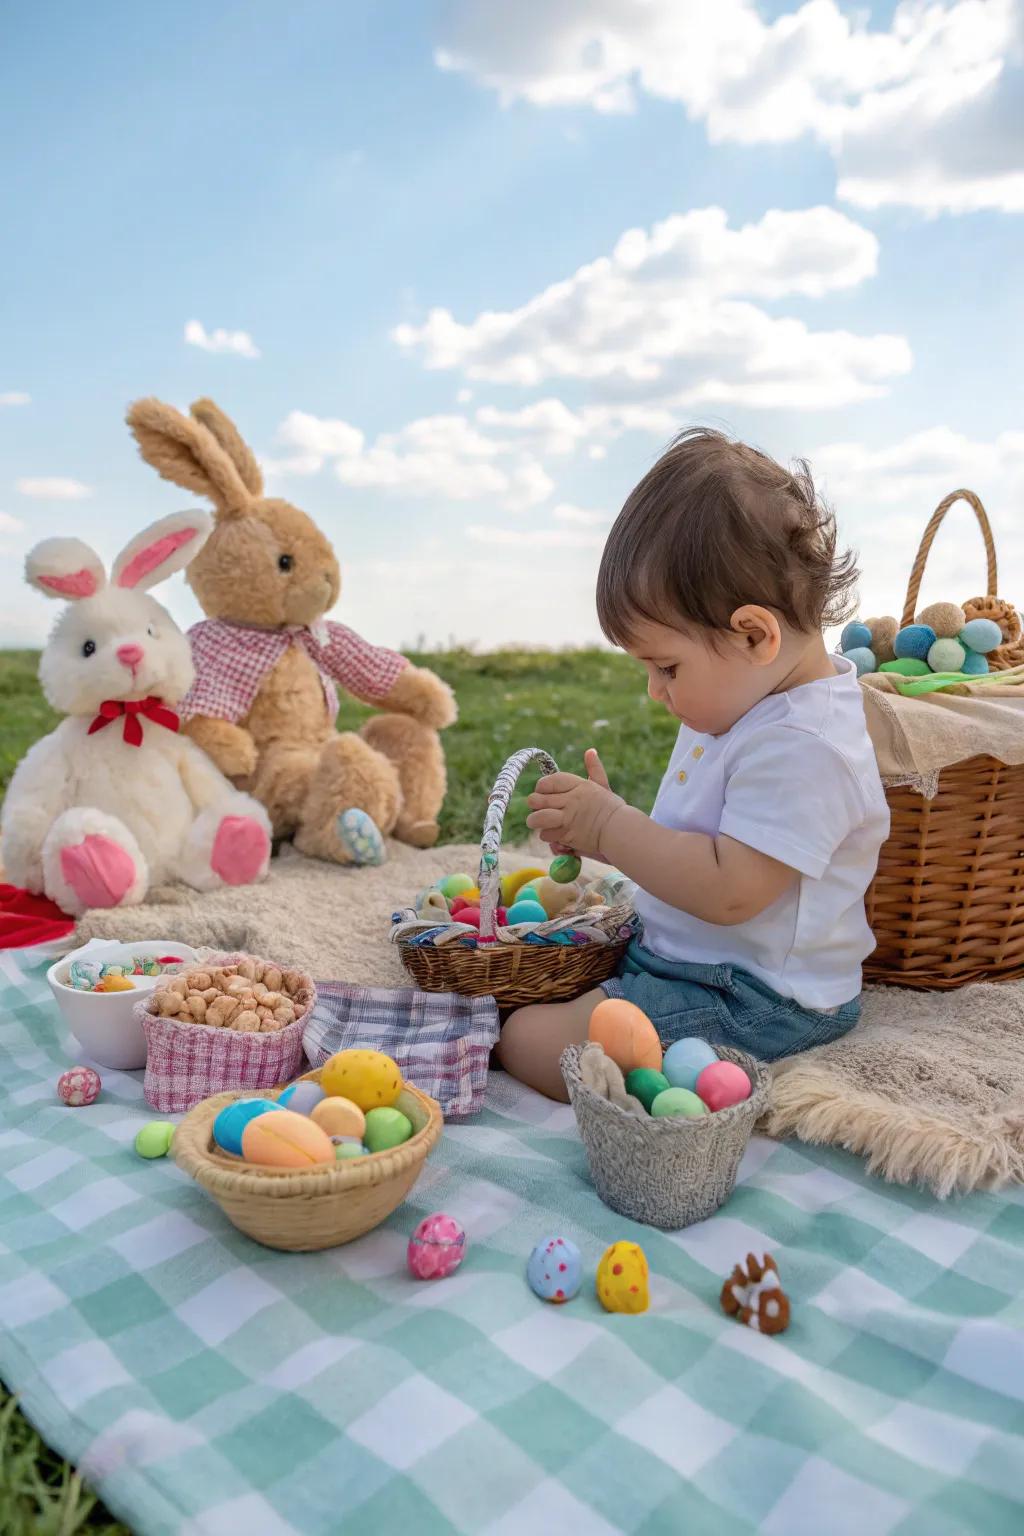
(152, 708)
(27, 919)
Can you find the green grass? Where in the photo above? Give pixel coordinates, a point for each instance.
(562, 701)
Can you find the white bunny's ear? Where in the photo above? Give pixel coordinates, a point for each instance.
(65, 568)
(161, 549)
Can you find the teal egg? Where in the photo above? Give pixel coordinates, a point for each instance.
(528, 893)
(974, 665)
(854, 637)
(233, 1119)
(914, 642)
(527, 912)
(982, 635)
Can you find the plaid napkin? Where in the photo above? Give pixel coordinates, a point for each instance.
(441, 1042)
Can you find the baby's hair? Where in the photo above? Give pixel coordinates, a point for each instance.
(714, 525)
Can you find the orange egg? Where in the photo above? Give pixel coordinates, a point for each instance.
(293, 1141)
(339, 1117)
(626, 1034)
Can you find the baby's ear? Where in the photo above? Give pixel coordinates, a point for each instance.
(183, 450)
(160, 550)
(227, 434)
(65, 568)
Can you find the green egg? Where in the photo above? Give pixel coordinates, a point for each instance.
(565, 868)
(645, 1084)
(154, 1140)
(454, 885)
(679, 1101)
(346, 1150)
(386, 1128)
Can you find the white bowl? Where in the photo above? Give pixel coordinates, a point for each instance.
(104, 1023)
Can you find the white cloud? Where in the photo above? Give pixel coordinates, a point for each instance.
(54, 488)
(464, 396)
(319, 437)
(923, 111)
(15, 397)
(666, 319)
(238, 342)
(567, 512)
(9, 524)
(535, 538)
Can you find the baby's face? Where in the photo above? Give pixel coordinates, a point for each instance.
(708, 688)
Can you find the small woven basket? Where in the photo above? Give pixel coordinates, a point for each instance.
(303, 1210)
(511, 970)
(947, 904)
(666, 1171)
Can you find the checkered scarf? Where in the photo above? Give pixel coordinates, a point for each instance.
(441, 1042)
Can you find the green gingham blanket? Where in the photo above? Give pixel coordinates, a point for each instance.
(206, 1385)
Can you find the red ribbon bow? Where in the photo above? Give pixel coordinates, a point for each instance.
(153, 708)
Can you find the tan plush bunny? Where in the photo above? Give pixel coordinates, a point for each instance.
(268, 664)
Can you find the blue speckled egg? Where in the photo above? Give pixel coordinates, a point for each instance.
(301, 1097)
(915, 641)
(233, 1119)
(982, 635)
(554, 1270)
(974, 665)
(685, 1061)
(863, 658)
(854, 636)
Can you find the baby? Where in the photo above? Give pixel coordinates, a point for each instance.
(719, 575)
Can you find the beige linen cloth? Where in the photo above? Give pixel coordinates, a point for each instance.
(915, 738)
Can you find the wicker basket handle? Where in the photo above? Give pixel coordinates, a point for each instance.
(914, 585)
(490, 842)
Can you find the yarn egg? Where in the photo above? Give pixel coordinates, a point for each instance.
(564, 869)
(369, 1078)
(154, 1139)
(436, 1248)
(233, 1119)
(286, 1140)
(626, 1034)
(386, 1128)
(907, 666)
(679, 1101)
(622, 1279)
(645, 1084)
(723, 1084)
(685, 1060)
(512, 884)
(982, 635)
(946, 656)
(974, 665)
(947, 619)
(339, 1117)
(79, 1086)
(344, 1151)
(883, 632)
(527, 912)
(303, 1096)
(854, 636)
(864, 660)
(914, 642)
(554, 1270)
(455, 885)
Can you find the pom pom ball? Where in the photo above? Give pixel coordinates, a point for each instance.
(883, 632)
(863, 659)
(154, 1139)
(685, 1060)
(946, 656)
(982, 635)
(974, 665)
(79, 1086)
(947, 619)
(723, 1084)
(233, 1119)
(554, 1270)
(914, 642)
(436, 1248)
(679, 1101)
(386, 1128)
(527, 912)
(621, 1283)
(854, 636)
(645, 1084)
(626, 1034)
(565, 869)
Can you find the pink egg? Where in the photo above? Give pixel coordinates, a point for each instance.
(723, 1084)
(470, 915)
(436, 1248)
(78, 1086)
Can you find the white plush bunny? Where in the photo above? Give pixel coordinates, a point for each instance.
(115, 800)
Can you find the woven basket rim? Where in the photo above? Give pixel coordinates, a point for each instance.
(715, 1122)
(615, 918)
(230, 957)
(190, 1149)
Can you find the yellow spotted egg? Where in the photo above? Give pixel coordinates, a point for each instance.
(622, 1279)
(367, 1078)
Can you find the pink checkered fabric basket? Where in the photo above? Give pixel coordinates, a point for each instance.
(186, 1063)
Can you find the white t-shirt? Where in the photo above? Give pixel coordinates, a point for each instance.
(796, 779)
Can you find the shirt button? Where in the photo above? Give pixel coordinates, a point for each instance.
(698, 753)
(681, 775)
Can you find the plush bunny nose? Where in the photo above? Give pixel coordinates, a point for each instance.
(129, 655)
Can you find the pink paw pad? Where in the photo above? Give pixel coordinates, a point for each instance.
(98, 870)
(240, 850)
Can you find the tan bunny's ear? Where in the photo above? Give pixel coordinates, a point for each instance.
(184, 451)
(227, 434)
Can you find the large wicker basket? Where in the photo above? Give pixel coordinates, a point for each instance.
(306, 1210)
(947, 904)
(511, 969)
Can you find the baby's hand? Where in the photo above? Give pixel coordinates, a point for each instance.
(570, 812)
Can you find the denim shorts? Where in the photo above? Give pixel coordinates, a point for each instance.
(724, 1006)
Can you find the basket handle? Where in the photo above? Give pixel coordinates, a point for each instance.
(490, 842)
(914, 585)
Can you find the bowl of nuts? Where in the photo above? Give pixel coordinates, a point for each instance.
(225, 1022)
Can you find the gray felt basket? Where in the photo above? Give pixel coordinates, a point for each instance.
(668, 1172)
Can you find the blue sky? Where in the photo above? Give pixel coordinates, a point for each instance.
(397, 232)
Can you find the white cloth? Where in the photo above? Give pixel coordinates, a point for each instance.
(795, 778)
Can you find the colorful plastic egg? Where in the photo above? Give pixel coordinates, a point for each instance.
(554, 1270)
(982, 635)
(386, 1128)
(369, 1078)
(436, 1248)
(622, 1279)
(339, 1117)
(79, 1086)
(914, 642)
(154, 1139)
(286, 1140)
(946, 656)
(626, 1034)
(854, 636)
(527, 912)
(529, 892)
(302, 1096)
(685, 1060)
(345, 1151)
(645, 1084)
(512, 884)
(564, 869)
(470, 915)
(863, 659)
(679, 1101)
(723, 1084)
(455, 885)
(974, 665)
(232, 1120)
(83, 975)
